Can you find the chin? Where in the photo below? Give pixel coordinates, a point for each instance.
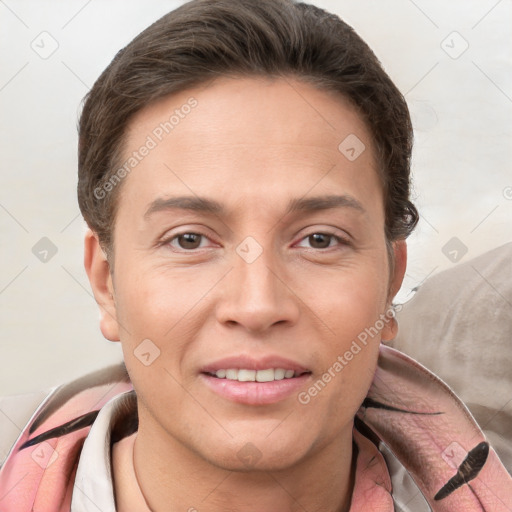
(257, 462)
(261, 452)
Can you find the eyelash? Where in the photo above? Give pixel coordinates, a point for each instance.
(342, 241)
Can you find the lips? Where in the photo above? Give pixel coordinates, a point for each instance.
(245, 379)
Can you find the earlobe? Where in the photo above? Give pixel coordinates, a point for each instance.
(98, 272)
(390, 330)
(400, 262)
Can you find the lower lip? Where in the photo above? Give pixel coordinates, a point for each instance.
(256, 393)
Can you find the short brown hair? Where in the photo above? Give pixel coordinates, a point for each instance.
(206, 39)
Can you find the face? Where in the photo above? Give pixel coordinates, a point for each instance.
(250, 266)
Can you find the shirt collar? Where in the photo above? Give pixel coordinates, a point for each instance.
(93, 489)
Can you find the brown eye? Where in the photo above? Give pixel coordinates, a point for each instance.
(320, 240)
(189, 240)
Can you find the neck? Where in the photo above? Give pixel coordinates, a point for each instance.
(150, 479)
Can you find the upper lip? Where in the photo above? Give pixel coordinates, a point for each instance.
(248, 362)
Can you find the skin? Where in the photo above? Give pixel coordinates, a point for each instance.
(252, 144)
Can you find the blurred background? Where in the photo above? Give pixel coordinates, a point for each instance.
(451, 60)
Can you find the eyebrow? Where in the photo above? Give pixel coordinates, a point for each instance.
(205, 205)
(327, 202)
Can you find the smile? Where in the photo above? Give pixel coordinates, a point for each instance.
(255, 381)
(245, 375)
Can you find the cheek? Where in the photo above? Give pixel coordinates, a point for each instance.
(161, 311)
(349, 357)
(349, 301)
(152, 312)
(350, 307)
(153, 301)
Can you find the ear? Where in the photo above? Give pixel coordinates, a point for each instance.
(390, 330)
(98, 271)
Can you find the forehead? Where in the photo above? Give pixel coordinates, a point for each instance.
(307, 112)
(246, 137)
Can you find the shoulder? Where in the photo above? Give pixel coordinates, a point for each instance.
(15, 413)
(47, 412)
(46, 435)
(459, 325)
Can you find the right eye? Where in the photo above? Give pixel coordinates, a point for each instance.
(187, 241)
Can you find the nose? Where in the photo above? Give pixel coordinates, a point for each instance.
(257, 296)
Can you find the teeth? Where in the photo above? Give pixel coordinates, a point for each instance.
(279, 374)
(232, 374)
(243, 375)
(246, 375)
(265, 375)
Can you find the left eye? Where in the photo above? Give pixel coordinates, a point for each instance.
(322, 240)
